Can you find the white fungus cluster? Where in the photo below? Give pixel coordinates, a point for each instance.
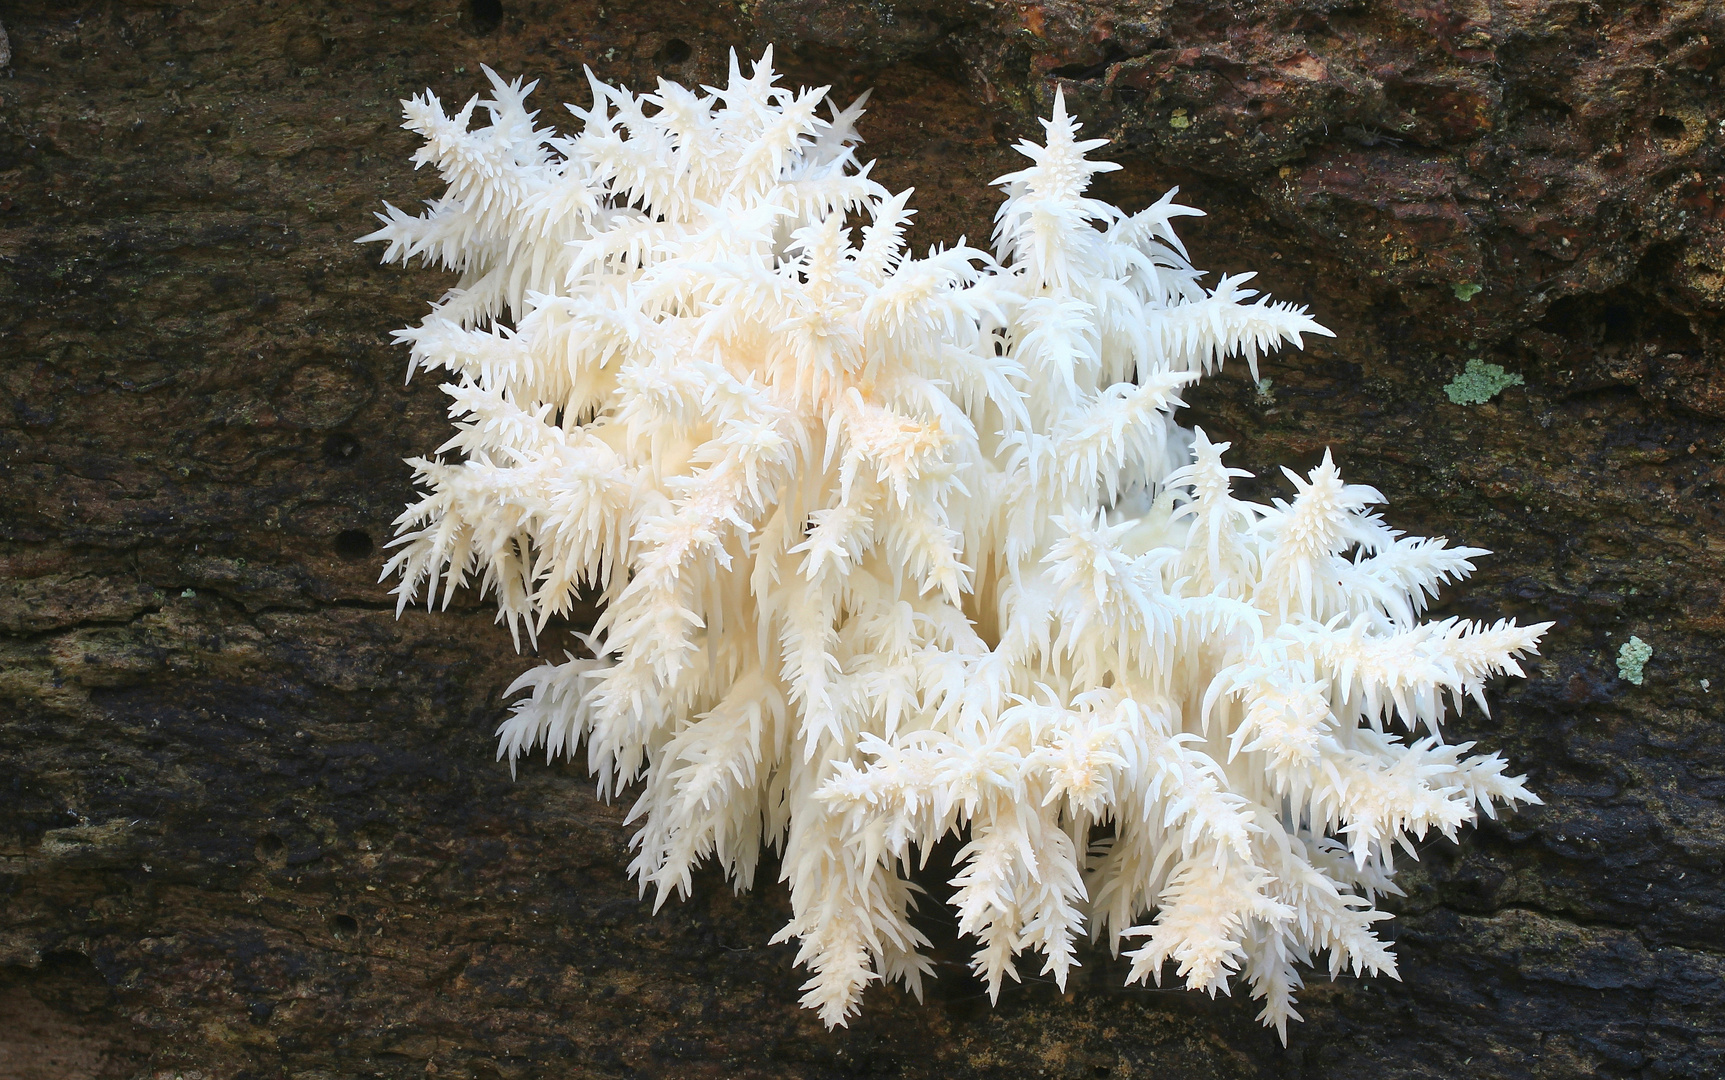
(895, 548)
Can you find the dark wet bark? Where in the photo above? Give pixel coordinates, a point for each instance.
(250, 823)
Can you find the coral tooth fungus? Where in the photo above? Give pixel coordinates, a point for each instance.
(892, 548)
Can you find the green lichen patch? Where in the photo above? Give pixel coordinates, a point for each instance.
(1632, 658)
(1465, 290)
(1479, 382)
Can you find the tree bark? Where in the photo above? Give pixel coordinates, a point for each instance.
(251, 821)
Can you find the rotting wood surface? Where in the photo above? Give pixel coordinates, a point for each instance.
(251, 822)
